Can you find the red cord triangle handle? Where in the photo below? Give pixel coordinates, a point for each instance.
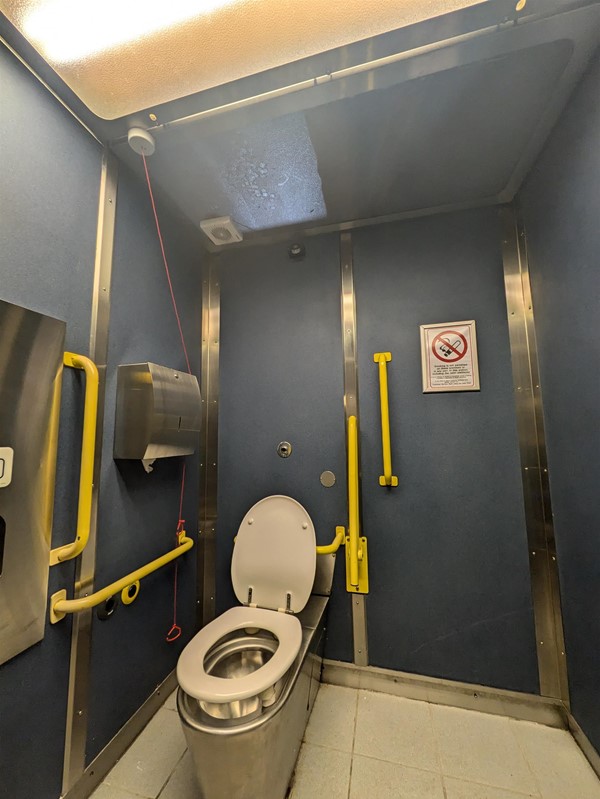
(173, 633)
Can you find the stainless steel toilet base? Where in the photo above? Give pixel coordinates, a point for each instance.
(254, 756)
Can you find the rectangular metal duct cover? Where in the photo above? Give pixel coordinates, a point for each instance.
(158, 412)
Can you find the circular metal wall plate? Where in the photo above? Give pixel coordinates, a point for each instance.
(327, 478)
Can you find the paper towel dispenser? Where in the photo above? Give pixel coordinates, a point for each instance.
(158, 412)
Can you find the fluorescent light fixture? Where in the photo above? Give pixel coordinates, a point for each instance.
(70, 30)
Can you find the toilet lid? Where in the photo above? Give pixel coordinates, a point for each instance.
(275, 555)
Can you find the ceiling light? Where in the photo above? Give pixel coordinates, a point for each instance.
(69, 30)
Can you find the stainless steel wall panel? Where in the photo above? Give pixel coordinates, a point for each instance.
(31, 354)
(209, 443)
(530, 422)
(81, 643)
(360, 641)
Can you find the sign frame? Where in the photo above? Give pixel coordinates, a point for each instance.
(430, 359)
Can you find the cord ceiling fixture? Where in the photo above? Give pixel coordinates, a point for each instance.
(175, 631)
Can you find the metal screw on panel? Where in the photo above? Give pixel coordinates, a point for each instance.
(80, 712)
(284, 449)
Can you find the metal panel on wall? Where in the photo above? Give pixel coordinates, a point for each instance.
(48, 215)
(31, 355)
(281, 379)
(450, 591)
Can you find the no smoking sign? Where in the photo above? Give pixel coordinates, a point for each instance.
(450, 346)
(449, 357)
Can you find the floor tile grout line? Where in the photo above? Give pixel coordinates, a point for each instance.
(509, 791)
(522, 749)
(353, 740)
(171, 774)
(436, 744)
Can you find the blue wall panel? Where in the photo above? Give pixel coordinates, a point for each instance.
(48, 209)
(561, 208)
(450, 593)
(281, 378)
(138, 512)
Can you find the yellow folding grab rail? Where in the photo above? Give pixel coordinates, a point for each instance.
(86, 474)
(387, 478)
(329, 549)
(357, 574)
(60, 605)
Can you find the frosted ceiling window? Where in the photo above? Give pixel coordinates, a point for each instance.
(122, 56)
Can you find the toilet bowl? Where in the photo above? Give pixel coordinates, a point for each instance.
(244, 679)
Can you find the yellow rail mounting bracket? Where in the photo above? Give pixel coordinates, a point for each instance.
(387, 478)
(338, 541)
(363, 568)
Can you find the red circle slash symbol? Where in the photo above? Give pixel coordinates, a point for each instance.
(449, 346)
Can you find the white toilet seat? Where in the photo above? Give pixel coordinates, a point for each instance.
(202, 686)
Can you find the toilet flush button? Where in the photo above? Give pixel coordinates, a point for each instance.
(6, 466)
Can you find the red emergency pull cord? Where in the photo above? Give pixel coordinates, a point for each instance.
(175, 630)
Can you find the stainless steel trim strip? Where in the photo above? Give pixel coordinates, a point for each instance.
(584, 744)
(117, 746)
(552, 664)
(48, 88)
(79, 672)
(359, 612)
(526, 707)
(329, 77)
(209, 442)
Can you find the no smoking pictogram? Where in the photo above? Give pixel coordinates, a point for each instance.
(449, 346)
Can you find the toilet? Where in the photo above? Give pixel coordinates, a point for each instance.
(245, 678)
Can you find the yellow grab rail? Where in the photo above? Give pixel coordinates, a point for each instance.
(60, 605)
(86, 473)
(329, 549)
(353, 532)
(387, 478)
(357, 566)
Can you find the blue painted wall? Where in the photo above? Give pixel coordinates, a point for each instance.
(450, 592)
(48, 209)
(48, 215)
(281, 379)
(561, 207)
(138, 512)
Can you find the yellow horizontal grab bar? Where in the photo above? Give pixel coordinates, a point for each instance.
(387, 478)
(60, 605)
(329, 549)
(86, 472)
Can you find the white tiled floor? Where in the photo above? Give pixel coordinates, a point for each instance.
(363, 745)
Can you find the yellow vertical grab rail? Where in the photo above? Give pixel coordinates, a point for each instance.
(86, 473)
(353, 531)
(357, 579)
(387, 478)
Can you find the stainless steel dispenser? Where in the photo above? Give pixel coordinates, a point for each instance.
(31, 361)
(158, 413)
